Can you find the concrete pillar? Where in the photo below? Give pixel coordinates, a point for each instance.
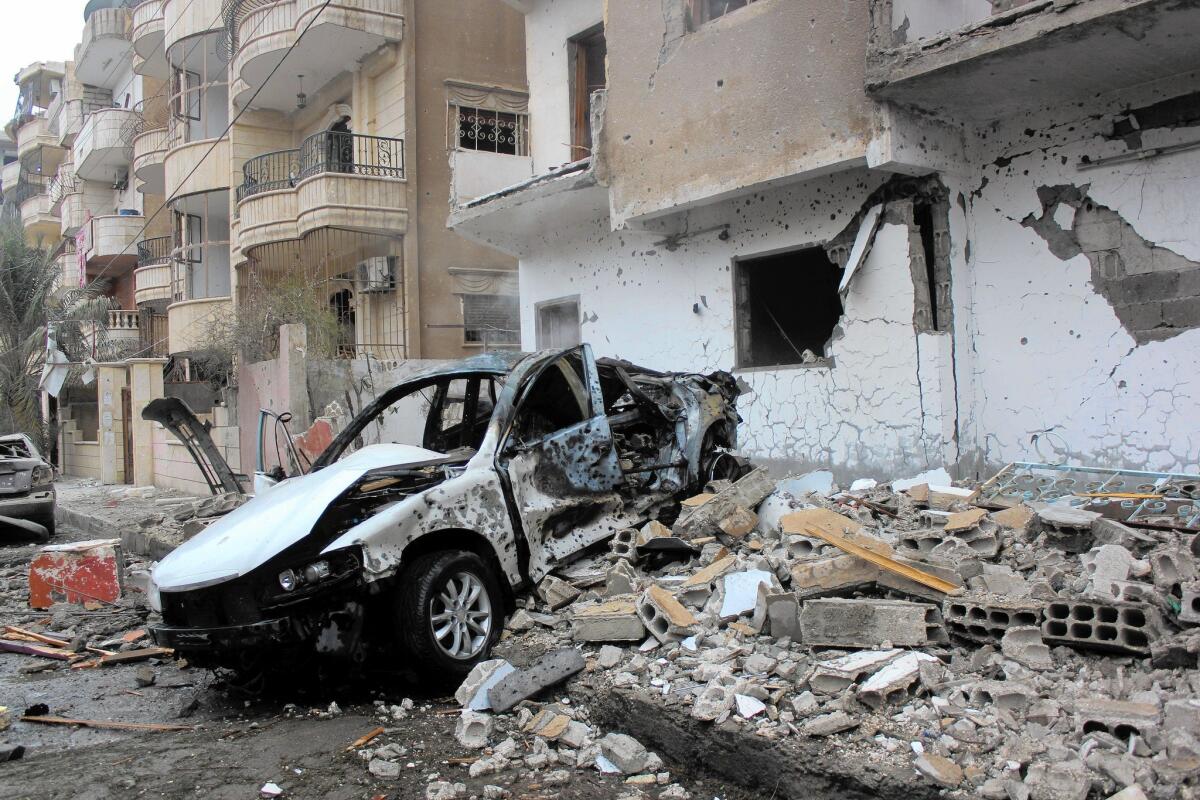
(145, 384)
(293, 350)
(110, 378)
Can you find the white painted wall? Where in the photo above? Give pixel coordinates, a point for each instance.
(1039, 368)
(548, 26)
(476, 173)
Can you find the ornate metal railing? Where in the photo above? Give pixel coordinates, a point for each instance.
(268, 172)
(327, 151)
(352, 153)
(154, 251)
(232, 13)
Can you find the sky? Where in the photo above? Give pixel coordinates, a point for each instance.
(43, 30)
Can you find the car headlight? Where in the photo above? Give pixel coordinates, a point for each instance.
(154, 596)
(288, 580)
(42, 475)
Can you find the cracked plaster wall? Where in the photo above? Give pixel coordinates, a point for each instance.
(863, 416)
(1050, 372)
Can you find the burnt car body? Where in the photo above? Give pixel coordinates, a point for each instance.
(26, 486)
(523, 462)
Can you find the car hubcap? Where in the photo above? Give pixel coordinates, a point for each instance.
(461, 616)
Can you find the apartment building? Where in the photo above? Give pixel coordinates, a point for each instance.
(924, 233)
(215, 160)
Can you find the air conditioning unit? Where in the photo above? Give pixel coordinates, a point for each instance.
(378, 274)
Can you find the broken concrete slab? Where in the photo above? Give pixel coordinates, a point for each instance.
(550, 669)
(828, 724)
(625, 752)
(891, 683)
(473, 692)
(76, 573)
(739, 523)
(741, 591)
(866, 622)
(783, 616)
(945, 497)
(746, 492)
(1120, 718)
(833, 675)
(557, 593)
(940, 770)
(1023, 644)
(831, 574)
(937, 477)
(964, 520)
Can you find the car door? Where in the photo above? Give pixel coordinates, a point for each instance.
(561, 462)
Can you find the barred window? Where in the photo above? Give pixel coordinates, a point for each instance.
(491, 319)
(492, 131)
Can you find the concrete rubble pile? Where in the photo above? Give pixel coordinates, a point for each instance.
(1036, 652)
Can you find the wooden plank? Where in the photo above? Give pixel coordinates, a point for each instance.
(136, 655)
(41, 651)
(22, 633)
(884, 562)
(366, 737)
(108, 724)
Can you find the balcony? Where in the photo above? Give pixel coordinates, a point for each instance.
(123, 326)
(333, 180)
(10, 176)
(980, 64)
(109, 243)
(63, 184)
(106, 41)
(152, 278)
(189, 321)
(37, 215)
(262, 32)
(149, 152)
(36, 141)
(149, 25)
(72, 212)
(102, 152)
(190, 168)
(68, 268)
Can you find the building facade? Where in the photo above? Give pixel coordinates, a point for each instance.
(953, 233)
(229, 165)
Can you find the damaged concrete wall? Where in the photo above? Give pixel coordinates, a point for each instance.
(883, 407)
(1083, 285)
(768, 92)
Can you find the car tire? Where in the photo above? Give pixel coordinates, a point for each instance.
(47, 522)
(451, 612)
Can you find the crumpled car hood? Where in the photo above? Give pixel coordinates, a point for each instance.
(253, 533)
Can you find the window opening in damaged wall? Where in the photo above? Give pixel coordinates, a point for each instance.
(787, 307)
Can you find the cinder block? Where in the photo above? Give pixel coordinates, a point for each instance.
(664, 616)
(1119, 718)
(1095, 625)
(1189, 610)
(556, 592)
(838, 622)
(986, 618)
(1009, 695)
(614, 621)
(891, 684)
(624, 545)
(1182, 313)
(747, 492)
(834, 675)
(76, 573)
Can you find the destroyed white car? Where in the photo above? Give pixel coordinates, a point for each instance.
(436, 504)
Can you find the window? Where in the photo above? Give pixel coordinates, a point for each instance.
(189, 238)
(787, 307)
(558, 323)
(701, 11)
(187, 94)
(492, 131)
(491, 319)
(586, 52)
(557, 399)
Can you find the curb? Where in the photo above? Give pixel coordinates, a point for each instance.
(138, 542)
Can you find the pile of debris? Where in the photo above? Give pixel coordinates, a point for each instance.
(1007, 641)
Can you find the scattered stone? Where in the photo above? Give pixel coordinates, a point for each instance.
(144, 675)
(941, 771)
(557, 593)
(829, 724)
(382, 768)
(473, 729)
(624, 752)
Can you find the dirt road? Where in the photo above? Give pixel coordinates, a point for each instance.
(237, 746)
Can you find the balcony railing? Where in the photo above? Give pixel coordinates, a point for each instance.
(28, 186)
(154, 251)
(122, 320)
(324, 152)
(268, 172)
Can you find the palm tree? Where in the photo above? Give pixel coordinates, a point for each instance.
(31, 303)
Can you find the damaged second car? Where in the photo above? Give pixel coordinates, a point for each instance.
(412, 533)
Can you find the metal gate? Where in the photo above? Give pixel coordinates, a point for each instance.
(127, 433)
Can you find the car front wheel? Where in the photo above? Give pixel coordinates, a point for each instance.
(451, 612)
